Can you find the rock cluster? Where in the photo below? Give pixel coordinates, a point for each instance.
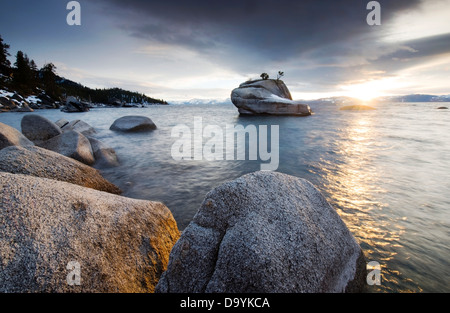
(58, 214)
(264, 232)
(72, 139)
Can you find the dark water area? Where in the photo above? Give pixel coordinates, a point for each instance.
(386, 172)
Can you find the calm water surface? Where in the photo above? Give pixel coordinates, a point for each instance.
(386, 172)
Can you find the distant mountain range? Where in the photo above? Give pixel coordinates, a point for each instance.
(415, 98)
(201, 101)
(405, 98)
(334, 100)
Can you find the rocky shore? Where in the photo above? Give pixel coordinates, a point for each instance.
(264, 232)
(56, 209)
(13, 101)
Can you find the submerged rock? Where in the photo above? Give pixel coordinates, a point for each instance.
(62, 122)
(133, 124)
(267, 97)
(38, 128)
(44, 163)
(73, 145)
(10, 136)
(265, 232)
(79, 126)
(105, 156)
(120, 245)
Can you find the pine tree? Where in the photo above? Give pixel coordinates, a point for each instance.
(280, 74)
(23, 78)
(48, 73)
(5, 65)
(35, 72)
(33, 66)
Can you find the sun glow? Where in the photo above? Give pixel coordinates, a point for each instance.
(369, 90)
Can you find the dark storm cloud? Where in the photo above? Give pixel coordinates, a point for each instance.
(275, 29)
(426, 47)
(407, 54)
(320, 44)
(323, 42)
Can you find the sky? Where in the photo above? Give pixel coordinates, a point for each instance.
(179, 50)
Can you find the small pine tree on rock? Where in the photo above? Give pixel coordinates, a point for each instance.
(264, 76)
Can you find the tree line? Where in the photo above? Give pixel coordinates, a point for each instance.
(25, 77)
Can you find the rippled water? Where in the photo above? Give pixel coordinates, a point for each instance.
(387, 173)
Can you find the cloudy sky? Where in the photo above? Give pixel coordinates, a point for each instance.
(184, 49)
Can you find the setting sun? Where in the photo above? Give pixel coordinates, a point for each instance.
(371, 89)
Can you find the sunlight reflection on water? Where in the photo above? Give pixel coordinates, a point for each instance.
(353, 185)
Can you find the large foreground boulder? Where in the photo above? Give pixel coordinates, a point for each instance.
(38, 128)
(10, 136)
(73, 145)
(44, 163)
(267, 97)
(265, 232)
(59, 237)
(133, 124)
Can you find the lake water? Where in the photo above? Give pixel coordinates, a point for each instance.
(386, 172)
